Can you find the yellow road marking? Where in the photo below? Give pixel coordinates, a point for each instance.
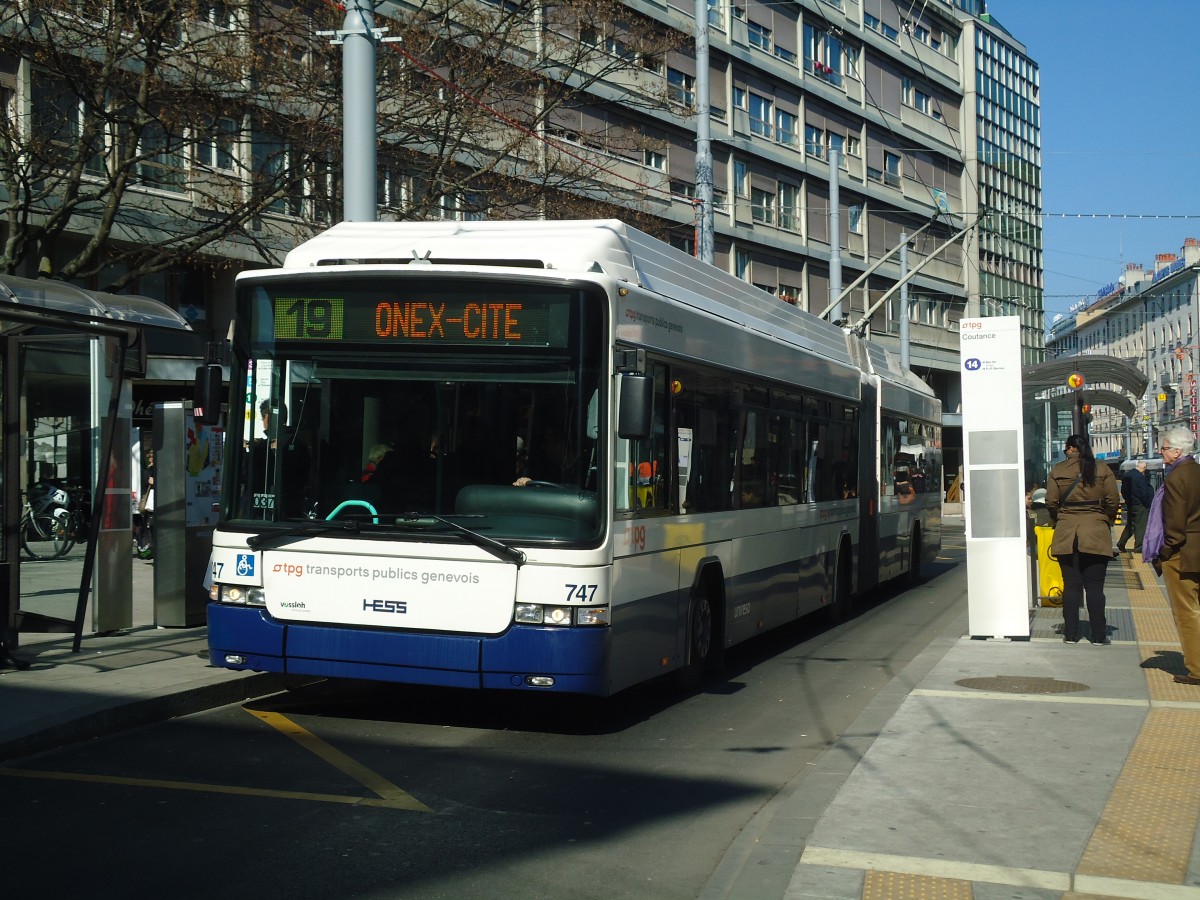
(208, 788)
(389, 796)
(340, 761)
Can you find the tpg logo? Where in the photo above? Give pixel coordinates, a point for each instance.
(288, 569)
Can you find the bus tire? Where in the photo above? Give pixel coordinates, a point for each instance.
(913, 577)
(701, 640)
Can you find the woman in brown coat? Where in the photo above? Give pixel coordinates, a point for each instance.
(1082, 498)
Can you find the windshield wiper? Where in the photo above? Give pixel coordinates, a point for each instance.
(270, 538)
(497, 548)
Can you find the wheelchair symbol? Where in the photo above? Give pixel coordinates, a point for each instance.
(245, 565)
(972, 365)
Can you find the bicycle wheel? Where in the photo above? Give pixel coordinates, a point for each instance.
(44, 537)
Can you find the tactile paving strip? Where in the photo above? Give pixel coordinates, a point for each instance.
(900, 886)
(1161, 663)
(1149, 823)
(1155, 626)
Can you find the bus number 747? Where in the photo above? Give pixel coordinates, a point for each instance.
(584, 593)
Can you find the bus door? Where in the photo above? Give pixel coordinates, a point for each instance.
(868, 489)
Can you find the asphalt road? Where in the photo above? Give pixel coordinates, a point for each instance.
(371, 791)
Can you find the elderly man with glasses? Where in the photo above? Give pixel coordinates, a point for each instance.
(1179, 555)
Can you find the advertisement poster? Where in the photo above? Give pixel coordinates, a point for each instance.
(204, 447)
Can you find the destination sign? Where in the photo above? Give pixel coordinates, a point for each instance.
(511, 320)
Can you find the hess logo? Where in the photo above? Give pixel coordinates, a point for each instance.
(397, 607)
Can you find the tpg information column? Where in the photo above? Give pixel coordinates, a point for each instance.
(998, 598)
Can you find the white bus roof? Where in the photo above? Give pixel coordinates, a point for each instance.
(588, 248)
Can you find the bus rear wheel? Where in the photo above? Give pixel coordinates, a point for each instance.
(700, 642)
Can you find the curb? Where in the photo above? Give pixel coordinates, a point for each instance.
(143, 710)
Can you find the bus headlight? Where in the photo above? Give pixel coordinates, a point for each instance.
(240, 595)
(540, 614)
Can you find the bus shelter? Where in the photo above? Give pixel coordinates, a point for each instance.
(66, 356)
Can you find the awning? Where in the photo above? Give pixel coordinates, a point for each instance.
(28, 302)
(1095, 369)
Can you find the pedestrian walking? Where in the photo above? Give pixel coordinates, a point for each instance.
(1082, 499)
(1172, 541)
(1138, 495)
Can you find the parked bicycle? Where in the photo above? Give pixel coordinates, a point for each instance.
(53, 520)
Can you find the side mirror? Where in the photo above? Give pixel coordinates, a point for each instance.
(637, 406)
(206, 401)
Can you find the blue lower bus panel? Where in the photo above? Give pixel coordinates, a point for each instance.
(570, 660)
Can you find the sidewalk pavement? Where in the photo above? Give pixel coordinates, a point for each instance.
(987, 769)
(1002, 769)
(117, 681)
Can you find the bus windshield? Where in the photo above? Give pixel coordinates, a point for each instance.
(384, 401)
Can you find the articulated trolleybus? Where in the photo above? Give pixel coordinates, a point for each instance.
(548, 456)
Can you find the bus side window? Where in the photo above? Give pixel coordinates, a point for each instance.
(648, 458)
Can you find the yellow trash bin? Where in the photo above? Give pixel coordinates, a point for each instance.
(1050, 580)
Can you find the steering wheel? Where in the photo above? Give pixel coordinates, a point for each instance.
(533, 483)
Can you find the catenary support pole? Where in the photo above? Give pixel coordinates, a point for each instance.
(835, 237)
(704, 174)
(358, 112)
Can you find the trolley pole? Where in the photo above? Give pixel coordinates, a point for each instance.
(904, 324)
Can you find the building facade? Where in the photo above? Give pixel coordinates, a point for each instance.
(931, 111)
(1003, 148)
(1148, 317)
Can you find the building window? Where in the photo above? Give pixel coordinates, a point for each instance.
(162, 158)
(789, 208)
(741, 264)
(786, 126)
(814, 141)
(759, 35)
(854, 218)
(762, 206)
(876, 24)
(789, 293)
(891, 168)
(838, 143)
(823, 55)
(760, 115)
(217, 14)
(681, 88)
(214, 149)
(278, 175)
(655, 159)
(741, 179)
(58, 120)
